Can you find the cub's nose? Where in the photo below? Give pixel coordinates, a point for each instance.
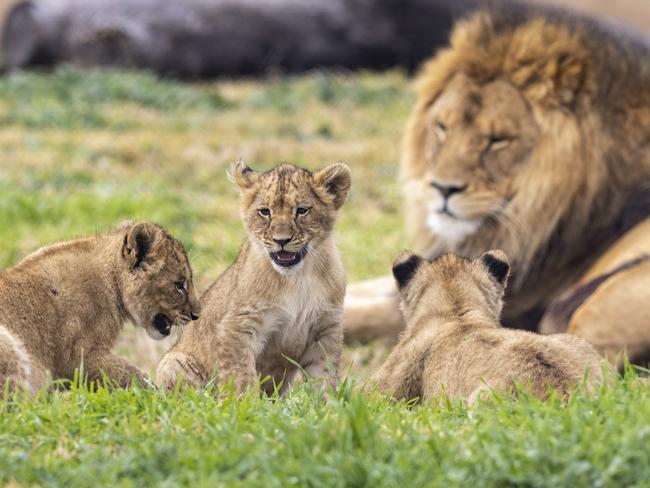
(448, 190)
(195, 310)
(282, 242)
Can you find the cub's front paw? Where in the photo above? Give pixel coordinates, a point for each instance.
(178, 366)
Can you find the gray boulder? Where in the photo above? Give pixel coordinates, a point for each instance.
(213, 38)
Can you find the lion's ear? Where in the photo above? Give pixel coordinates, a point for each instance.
(556, 81)
(243, 175)
(405, 266)
(140, 243)
(335, 180)
(497, 265)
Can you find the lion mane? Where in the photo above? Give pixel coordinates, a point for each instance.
(586, 179)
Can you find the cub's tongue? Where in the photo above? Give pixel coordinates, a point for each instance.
(287, 259)
(286, 256)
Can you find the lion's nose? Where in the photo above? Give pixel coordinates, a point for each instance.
(448, 190)
(194, 316)
(282, 241)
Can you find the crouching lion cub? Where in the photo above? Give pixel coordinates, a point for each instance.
(454, 343)
(281, 302)
(67, 303)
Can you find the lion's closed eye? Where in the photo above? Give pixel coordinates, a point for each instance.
(497, 142)
(440, 130)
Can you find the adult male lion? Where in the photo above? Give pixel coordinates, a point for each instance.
(531, 133)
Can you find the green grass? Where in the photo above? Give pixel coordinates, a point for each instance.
(144, 438)
(80, 151)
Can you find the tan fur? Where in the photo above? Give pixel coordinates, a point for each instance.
(371, 309)
(609, 304)
(619, 305)
(632, 245)
(257, 314)
(66, 303)
(453, 342)
(542, 126)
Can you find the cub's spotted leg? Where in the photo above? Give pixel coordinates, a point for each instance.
(321, 359)
(177, 366)
(238, 340)
(99, 364)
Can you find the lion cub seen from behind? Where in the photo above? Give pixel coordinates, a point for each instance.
(454, 343)
(283, 296)
(66, 304)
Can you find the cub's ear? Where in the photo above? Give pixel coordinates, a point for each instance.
(335, 180)
(405, 266)
(497, 265)
(139, 244)
(243, 175)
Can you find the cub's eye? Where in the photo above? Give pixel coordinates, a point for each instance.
(264, 212)
(180, 286)
(302, 210)
(496, 142)
(441, 131)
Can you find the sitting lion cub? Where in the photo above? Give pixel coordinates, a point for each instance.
(280, 303)
(66, 304)
(454, 343)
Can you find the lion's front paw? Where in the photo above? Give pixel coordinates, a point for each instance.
(177, 366)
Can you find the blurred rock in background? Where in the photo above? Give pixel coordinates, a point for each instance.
(231, 38)
(211, 38)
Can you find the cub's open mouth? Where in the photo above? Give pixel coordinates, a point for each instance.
(287, 259)
(163, 324)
